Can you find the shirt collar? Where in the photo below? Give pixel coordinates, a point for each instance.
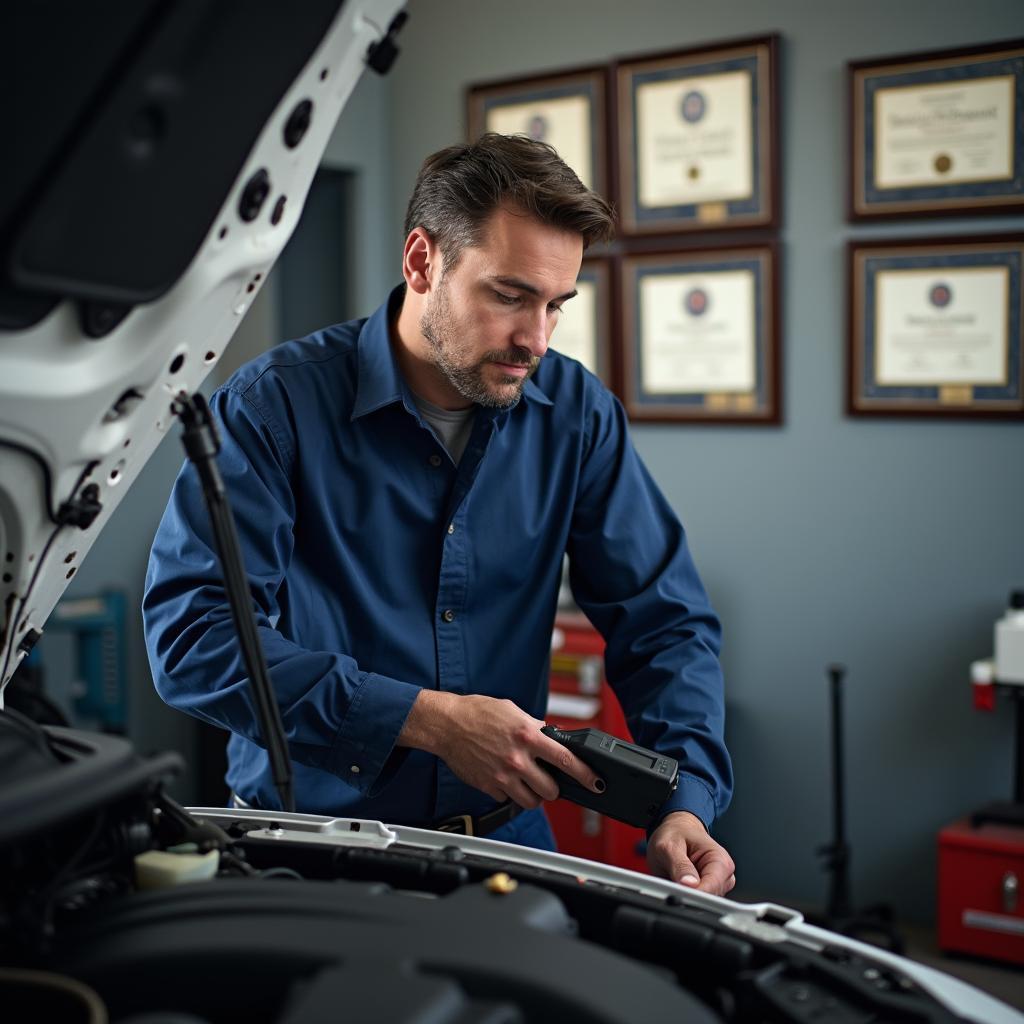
(533, 392)
(380, 380)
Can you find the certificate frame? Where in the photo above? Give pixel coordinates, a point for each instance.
(596, 271)
(904, 163)
(487, 100)
(985, 375)
(758, 401)
(750, 193)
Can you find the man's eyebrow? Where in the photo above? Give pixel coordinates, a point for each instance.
(523, 286)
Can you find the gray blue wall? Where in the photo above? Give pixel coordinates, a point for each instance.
(887, 545)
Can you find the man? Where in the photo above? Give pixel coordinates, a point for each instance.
(405, 488)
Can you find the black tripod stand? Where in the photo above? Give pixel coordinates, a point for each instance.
(871, 924)
(1009, 812)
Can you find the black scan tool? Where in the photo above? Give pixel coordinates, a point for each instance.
(636, 781)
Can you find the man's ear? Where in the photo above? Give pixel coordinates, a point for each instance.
(421, 261)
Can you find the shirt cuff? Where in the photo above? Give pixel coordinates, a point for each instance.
(692, 794)
(361, 754)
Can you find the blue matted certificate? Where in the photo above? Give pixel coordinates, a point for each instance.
(941, 133)
(567, 111)
(935, 328)
(700, 336)
(697, 139)
(583, 329)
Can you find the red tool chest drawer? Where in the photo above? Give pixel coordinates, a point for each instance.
(580, 699)
(981, 908)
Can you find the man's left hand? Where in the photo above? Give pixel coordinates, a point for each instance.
(681, 849)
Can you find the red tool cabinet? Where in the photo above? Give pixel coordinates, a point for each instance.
(981, 907)
(580, 699)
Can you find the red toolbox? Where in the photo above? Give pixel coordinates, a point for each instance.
(981, 907)
(580, 699)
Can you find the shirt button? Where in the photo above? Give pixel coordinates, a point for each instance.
(448, 615)
(435, 461)
(451, 528)
(354, 769)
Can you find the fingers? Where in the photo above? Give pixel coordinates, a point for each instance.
(526, 782)
(526, 779)
(520, 793)
(681, 850)
(562, 757)
(537, 780)
(506, 761)
(677, 864)
(509, 787)
(667, 856)
(717, 874)
(685, 873)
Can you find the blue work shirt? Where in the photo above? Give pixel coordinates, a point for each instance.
(378, 567)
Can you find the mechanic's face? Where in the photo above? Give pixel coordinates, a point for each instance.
(489, 320)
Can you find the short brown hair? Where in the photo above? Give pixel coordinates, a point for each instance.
(458, 188)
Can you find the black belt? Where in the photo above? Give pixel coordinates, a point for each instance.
(467, 825)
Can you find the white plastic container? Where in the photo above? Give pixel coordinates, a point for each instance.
(1010, 642)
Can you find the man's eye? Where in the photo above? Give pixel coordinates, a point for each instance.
(508, 300)
(554, 309)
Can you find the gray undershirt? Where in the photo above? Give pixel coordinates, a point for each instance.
(452, 426)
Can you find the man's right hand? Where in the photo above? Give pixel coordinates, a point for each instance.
(492, 745)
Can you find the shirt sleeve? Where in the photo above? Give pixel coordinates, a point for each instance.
(632, 574)
(336, 716)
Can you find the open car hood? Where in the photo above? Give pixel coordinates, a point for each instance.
(155, 178)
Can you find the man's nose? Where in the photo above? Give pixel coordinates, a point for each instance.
(533, 333)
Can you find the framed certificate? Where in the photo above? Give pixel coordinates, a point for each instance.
(935, 327)
(701, 335)
(566, 110)
(584, 324)
(697, 146)
(938, 133)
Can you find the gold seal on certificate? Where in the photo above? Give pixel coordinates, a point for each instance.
(700, 335)
(938, 133)
(942, 327)
(697, 139)
(935, 327)
(567, 111)
(697, 332)
(693, 140)
(944, 133)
